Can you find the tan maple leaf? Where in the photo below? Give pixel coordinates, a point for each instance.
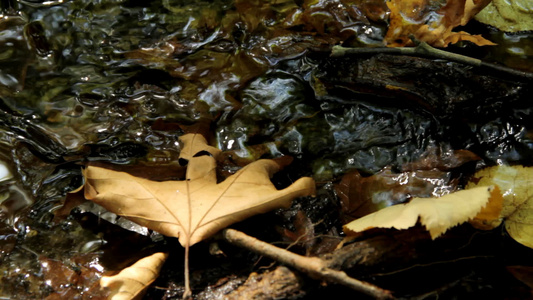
(132, 282)
(197, 207)
(194, 144)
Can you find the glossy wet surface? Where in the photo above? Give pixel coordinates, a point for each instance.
(115, 81)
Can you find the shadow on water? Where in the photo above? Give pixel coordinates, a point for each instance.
(114, 81)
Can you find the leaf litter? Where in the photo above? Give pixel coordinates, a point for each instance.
(432, 22)
(154, 71)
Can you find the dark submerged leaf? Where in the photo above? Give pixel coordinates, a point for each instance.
(97, 79)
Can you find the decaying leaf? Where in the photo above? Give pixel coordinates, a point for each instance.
(198, 206)
(132, 282)
(522, 273)
(490, 216)
(436, 158)
(515, 183)
(432, 22)
(72, 200)
(304, 235)
(508, 15)
(436, 214)
(68, 279)
(360, 196)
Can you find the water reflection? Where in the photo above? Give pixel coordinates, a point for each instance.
(13, 198)
(114, 81)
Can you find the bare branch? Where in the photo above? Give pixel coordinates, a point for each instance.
(425, 50)
(313, 266)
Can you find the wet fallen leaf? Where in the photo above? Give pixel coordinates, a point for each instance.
(436, 214)
(489, 217)
(515, 183)
(360, 196)
(70, 280)
(508, 15)
(132, 282)
(194, 144)
(304, 233)
(197, 207)
(73, 199)
(242, 157)
(432, 22)
(441, 159)
(522, 273)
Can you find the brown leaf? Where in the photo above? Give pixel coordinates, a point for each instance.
(242, 157)
(522, 273)
(304, 234)
(154, 171)
(194, 144)
(57, 274)
(197, 207)
(441, 159)
(71, 280)
(132, 282)
(489, 216)
(72, 200)
(431, 22)
(436, 214)
(361, 196)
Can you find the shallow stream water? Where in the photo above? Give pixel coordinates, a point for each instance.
(115, 81)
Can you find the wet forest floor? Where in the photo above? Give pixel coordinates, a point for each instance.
(117, 83)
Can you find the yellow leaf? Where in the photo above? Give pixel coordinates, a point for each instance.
(490, 216)
(197, 207)
(432, 22)
(515, 184)
(132, 282)
(508, 15)
(436, 214)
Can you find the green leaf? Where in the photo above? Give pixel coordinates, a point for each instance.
(508, 15)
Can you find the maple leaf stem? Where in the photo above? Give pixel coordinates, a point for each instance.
(188, 293)
(314, 266)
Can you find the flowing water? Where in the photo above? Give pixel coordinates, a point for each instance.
(116, 81)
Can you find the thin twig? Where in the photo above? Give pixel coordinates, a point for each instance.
(425, 50)
(314, 266)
